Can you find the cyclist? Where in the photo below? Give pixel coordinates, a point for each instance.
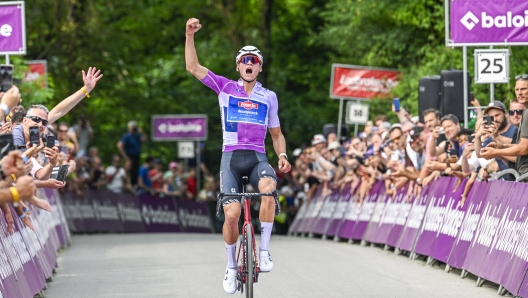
(247, 110)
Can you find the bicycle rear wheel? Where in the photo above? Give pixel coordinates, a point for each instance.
(250, 261)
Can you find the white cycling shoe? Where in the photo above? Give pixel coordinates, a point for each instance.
(265, 261)
(230, 281)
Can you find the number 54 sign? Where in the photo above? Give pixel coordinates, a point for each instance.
(492, 66)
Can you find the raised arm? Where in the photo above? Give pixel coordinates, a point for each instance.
(191, 59)
(90, 78)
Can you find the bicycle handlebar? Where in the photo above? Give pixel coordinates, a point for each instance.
(247, 194)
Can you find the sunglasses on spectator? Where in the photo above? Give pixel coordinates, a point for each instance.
(396, 139)
(63, 130)
(523, 76)
(245, 59)
(37, 119)
(513, 112)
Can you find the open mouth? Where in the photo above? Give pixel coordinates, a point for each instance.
(249, 70)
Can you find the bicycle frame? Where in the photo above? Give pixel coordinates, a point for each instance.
(243, 254)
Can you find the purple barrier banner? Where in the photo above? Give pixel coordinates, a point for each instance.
(313, 210)
(105, 210)
(363, 213)
(397, 216)
(375, 233)
(502, 248)
(129, 212)
(194, 217)
(493, 210)
(450, 217)
(159, 215)
(484, 22)
(474, 206)
(295, 226)
(340, 209)
(412, 226)
(325, 215)
(428, 230)
(354, 209)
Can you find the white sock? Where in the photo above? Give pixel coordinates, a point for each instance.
(265, 235)
(231, 255)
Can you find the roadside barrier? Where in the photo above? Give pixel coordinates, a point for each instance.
(486, 236)
(28, 258)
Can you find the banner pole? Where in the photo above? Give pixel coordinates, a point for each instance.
(198, 162)
(339, 119)
(492, 88)
(7, 60)
(464, 54)
(355, 124)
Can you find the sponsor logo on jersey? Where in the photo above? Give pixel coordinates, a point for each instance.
(248, 105)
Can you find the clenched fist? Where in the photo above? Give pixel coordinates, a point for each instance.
(193, 25)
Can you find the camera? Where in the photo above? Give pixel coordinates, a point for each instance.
(441, 131)
(6, 77)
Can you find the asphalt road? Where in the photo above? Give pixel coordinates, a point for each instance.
(192, 265)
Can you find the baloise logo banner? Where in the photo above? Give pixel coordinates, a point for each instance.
(489, 21)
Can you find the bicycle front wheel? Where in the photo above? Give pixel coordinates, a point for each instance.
(250, 261)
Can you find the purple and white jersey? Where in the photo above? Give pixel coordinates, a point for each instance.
(244, 119)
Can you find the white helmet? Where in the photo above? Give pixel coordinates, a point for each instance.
(249, 50)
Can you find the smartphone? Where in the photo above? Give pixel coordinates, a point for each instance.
(395, 156)
(452, 152)
(34, 135)
(6, 77)
(50, 141)
(61, 175)
(471, 139)
(441, 131)
(487, 120)
(396, 103)
(6, 144)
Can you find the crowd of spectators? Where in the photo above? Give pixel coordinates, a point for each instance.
(411, 154)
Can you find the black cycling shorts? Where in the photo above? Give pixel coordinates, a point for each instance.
(239, 163)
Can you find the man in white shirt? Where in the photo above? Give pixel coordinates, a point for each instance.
(116, 176)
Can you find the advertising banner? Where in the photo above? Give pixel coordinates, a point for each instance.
(474, 206)
(487, 22)
(429, 228)
(12, 28)
(38, 71)
(179, 127)
(326, 213)
(414, 219)
(494, 209)
(450, 216)
(362, 82)
(340, 211)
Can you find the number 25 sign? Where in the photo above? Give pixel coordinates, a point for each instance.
(492, 66)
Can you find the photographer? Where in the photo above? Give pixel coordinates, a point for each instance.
(130, 148)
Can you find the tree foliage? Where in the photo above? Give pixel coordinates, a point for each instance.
(139, 45)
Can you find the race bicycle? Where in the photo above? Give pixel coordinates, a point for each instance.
(247, 258)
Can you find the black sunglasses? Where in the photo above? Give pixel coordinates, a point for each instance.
(512, 112)
(523, 76)
(37, 119)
